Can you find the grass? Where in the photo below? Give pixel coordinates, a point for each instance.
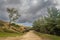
(5, 34)
(52, 37)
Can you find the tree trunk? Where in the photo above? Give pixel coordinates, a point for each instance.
(9, 24)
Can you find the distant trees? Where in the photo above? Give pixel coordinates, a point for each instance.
(13, 15)
(50, 24)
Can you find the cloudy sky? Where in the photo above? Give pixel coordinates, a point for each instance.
(30, 10)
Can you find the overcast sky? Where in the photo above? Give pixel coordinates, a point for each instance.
(30, 10)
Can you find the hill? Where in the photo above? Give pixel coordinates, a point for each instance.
(4, 27)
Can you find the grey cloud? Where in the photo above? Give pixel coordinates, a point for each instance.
(13, 1)
(33, 10)
(28, 11)
(3, 16)
(41, 6)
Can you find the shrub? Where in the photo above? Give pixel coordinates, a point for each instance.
(8, 30)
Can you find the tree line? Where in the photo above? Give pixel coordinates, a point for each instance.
(49, 24)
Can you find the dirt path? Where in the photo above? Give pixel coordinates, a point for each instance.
(29, 36)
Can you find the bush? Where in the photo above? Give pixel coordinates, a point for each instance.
(15, 25)
(8, 30)
(1, 24)
(50, 24)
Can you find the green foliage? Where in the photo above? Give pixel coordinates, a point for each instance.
(49, 37)
(36, 25)
(6, 34)
(15, 25)
(50, 24)
(8, 30)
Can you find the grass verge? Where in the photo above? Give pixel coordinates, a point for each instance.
(51, 37)
(5, 34)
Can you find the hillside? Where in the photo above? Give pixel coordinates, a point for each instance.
(4, 27)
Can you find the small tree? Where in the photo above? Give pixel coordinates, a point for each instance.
(13, 15)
